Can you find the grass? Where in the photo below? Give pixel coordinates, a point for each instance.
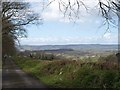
(0, 64)
(68, 73)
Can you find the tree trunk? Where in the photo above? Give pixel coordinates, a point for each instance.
(119, 31)
(118, 38)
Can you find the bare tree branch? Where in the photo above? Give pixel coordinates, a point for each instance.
(16, 15)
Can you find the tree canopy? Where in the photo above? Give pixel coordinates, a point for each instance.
(15, 15)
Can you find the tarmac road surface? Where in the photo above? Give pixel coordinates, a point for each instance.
(14, 77)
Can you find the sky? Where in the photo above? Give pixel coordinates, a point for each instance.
(58, 30)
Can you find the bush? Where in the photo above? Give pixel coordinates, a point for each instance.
(107, 79)
(86, 78)
(58, 73)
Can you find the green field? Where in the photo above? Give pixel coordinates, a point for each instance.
(71, 73)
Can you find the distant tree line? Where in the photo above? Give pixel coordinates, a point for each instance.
(37, 55)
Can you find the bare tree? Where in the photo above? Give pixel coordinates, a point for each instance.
(15, 15)
(106, 9)
(109, 9)
(72, 9)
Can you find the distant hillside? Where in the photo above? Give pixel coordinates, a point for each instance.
(81, 47)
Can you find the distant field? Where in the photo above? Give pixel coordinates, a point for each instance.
(72, 73)
(71, 52)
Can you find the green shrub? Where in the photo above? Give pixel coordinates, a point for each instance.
(85, 77)
(58, 73)
(108, 78)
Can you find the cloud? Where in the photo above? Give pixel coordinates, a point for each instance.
(21, 0)
(107, 38)
(53, 12)
(50, 15)
(32, 0)
(107, 35)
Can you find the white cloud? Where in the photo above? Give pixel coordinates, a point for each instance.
(32, 0)
(21, 0)
(108, 38)
(53, 12)
(50, 15)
